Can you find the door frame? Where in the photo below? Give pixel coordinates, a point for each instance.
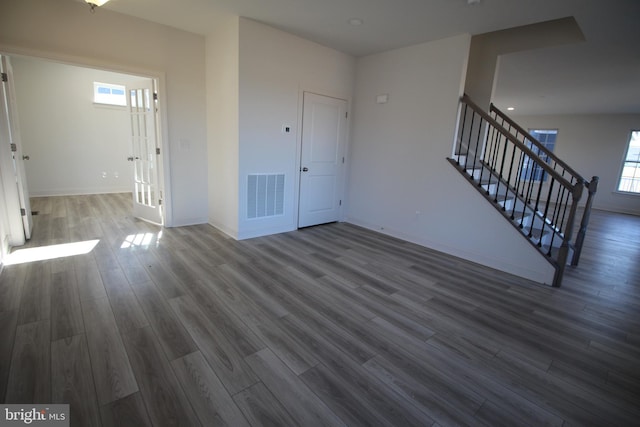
(162, 133)
(345, 150)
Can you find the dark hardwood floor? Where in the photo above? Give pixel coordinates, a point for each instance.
(331, 325)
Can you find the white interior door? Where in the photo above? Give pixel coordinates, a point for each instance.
(10, 114)
(12, 228)
(324, 127)
(145, 152)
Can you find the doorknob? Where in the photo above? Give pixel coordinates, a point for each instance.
(130, 158)
(305, 169)
(25, 157)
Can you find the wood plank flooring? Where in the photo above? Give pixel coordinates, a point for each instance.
(331, 325)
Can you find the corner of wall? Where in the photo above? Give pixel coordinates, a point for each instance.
(222, 87)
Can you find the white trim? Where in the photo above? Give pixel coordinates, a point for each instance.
(220, 227)
(622, 162)
(263, 232)
(83, 192)
(626, 193)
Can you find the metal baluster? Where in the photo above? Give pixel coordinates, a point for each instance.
(537, 197)
(529, 185)
(466, 161)
(475, 151)
(506, 191)
(556, 226)
(546, 208)
(501, 174)
(462, 133)
(494, 154)
(519, 180)
(491, 136)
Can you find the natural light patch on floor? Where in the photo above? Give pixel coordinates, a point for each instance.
(43, 253)
(140, 239)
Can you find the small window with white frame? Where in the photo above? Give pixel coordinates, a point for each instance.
(630, 175)
(531, 171)
(109, 94)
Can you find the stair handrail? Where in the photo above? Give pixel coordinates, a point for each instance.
(591, 186)
(538, 144)
(539, 161)
(566, 185)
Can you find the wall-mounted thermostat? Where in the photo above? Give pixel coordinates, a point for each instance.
(382, 99)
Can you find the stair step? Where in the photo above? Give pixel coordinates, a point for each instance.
(542, 231)
(536, 233)
(501, 198)
(461, 159)
(488, 180)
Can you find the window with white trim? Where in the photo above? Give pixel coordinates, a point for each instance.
(109, 94)
(630, 175)
(531, 171)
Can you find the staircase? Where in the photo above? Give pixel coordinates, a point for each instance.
(532, 188)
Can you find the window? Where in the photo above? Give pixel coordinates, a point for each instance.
(630, 176)
(531, 171)
(110, 94)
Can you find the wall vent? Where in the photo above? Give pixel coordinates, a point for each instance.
(265, 195)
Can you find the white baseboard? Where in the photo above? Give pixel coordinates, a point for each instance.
(479, 258)
(77, 191)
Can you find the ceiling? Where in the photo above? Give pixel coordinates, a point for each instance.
(601, 75)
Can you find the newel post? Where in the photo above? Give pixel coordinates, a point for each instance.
(593, 188)
(563, 255)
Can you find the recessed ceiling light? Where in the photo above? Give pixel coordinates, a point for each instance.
(355, 21)
(511, 108)
(472, 2)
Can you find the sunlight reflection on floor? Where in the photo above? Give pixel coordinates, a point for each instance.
(141, 239)
(42, 253)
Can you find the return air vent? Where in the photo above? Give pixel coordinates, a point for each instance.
(265, 195)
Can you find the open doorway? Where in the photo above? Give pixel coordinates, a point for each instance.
(80, 143)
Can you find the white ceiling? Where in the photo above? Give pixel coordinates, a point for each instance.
(601, 75)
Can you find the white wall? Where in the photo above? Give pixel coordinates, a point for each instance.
(594, 145)
(222, 123)
(400, 181)
(71, 141)
(486, 49)
(275, 69)
(66, 31)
